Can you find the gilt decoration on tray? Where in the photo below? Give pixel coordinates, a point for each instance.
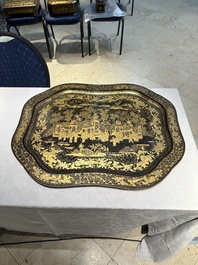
(121, 136)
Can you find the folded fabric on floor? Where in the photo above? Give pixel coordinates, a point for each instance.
(167, 237)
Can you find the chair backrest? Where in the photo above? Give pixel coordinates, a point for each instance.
(21, 63)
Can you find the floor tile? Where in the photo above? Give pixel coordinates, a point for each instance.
(133, 42)
(176, 8)
(153, 5)
(187, 256)
(190, 88)
(52, 253)
(95, 69)
(6, 257)
(183, 60)
(112, 262)
(21, 251)
(161, 18)
(92, 255)
(138, 63)
(71, 252)
(191, 15)
(183, 25)
(119, 74)
(110, 246)
(149, 84)
(195, 34)
(60, 74)
(191, 109)
(125, 254)
(145, 28)
(168, 76)
(171, 37)
(196, 73)
(190, 45)
(141, 12)
(156, 49)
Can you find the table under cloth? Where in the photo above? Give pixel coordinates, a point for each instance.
(170, 207)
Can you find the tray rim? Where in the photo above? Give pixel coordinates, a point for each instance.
(87, 179)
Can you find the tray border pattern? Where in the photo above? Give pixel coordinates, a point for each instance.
(98, 179)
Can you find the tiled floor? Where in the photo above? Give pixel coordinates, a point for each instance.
(160, 50)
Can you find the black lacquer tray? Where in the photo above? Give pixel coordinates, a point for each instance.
(121, 136)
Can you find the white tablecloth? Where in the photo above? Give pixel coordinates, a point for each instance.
(27, 206)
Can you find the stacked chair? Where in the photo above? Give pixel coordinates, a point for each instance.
(18, 17)
(64, 19)
(55, 14)
(23, 17)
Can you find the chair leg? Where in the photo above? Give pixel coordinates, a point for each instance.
(81, 27)
(81, 36)
(8, 28)
(122, 33)
(46, 27)
(17, 30)
(118, 31)
(89, 35)
(46, 33)
(53, 35)
(132, 6)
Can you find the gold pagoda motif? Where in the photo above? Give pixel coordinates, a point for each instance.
(93, 132)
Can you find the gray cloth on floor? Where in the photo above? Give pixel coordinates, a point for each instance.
(167, 237)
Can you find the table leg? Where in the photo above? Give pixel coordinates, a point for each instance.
(122, 33)
(89, 35)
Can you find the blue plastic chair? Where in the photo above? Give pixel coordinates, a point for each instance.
(21, 63)
(65, 20)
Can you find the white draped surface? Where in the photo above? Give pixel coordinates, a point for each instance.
(27, 206)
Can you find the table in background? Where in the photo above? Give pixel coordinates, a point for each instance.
(113, 12)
